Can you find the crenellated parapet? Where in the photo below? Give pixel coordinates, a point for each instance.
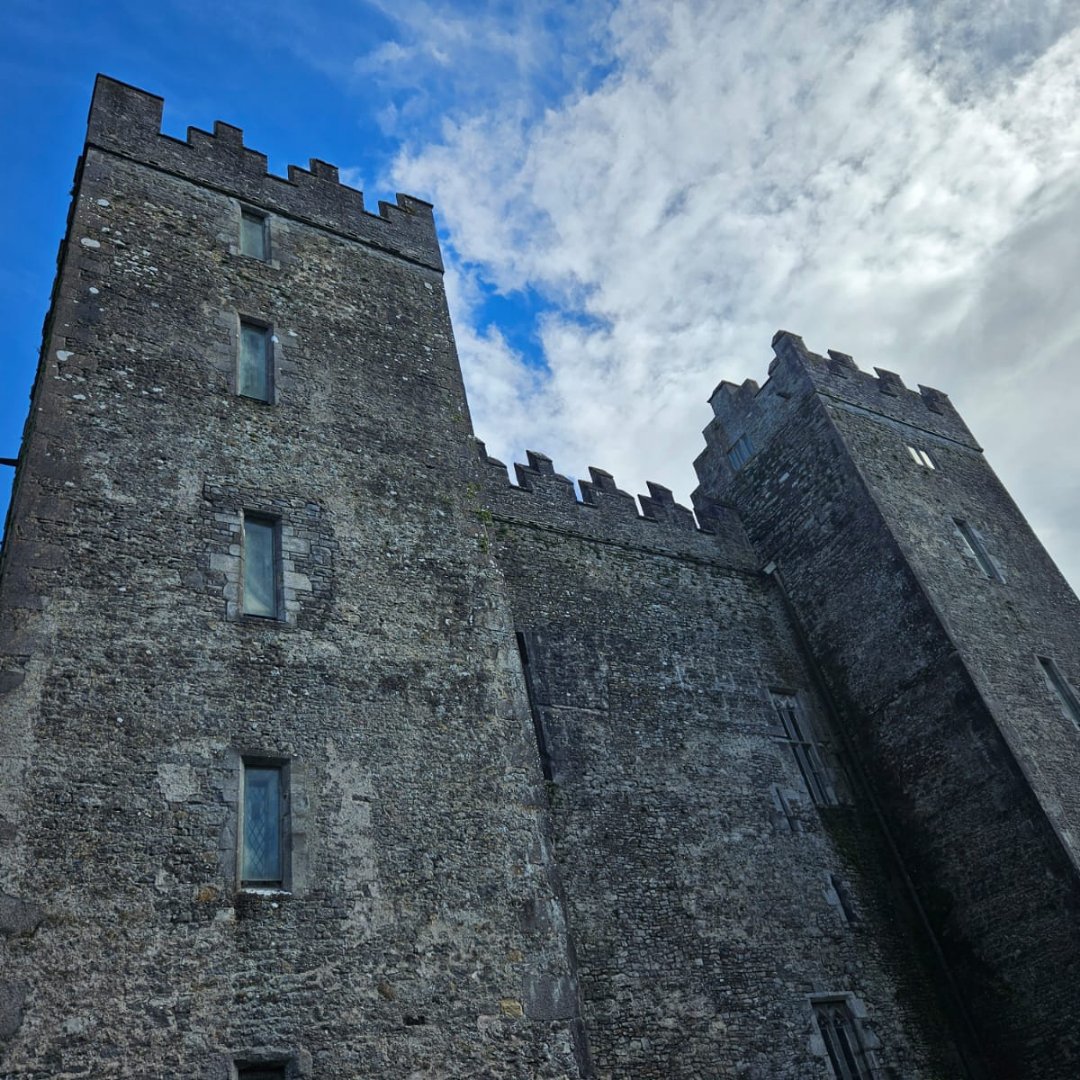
(746, 415)
(126, 121)
(796, 371)
(606, 513)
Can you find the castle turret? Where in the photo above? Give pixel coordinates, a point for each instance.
(950, 644)
(270, 802)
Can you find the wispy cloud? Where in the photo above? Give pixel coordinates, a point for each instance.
(892, 180)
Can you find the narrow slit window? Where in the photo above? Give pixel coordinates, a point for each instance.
(799, 737)
(253, 235)
(922, 457)
(537, 717)
(978, 550)
(263, 855)
(260, 566)
(844, 897)
(1065, 694)
(740, 453)
(843, 1041)
(255, 361)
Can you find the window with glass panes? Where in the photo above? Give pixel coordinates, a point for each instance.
(260, 593)
(263, 855)
(254, 240)
(843, 1041)
(254, 379)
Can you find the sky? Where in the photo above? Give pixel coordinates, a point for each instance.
(634, 195)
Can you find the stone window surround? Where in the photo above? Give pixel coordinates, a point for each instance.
(253, 214)
(294, 841)
(293, 585)
(224, 354)
(856, 1009)
(276, 228)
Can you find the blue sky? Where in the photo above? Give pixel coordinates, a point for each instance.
(634, 195)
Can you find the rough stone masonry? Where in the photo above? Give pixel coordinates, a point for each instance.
(329, 752)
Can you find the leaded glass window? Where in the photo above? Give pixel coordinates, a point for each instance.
(800, 736)
(263, 812)
(254, 374)
(253, 235)
(843, 1041)
(260, 567)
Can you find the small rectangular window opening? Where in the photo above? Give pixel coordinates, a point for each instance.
(740, 453)
(922, 457)
(253, 235)
(844, 897)
(267, 1071)
(265, 804)
(978, 549)
(537, 717)
(260, 586)
(1065, 694)
(843, 1040)
(254, 377)
(807, 753)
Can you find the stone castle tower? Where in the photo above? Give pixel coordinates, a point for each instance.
(328, 752)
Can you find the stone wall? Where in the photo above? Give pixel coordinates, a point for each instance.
(703, 884)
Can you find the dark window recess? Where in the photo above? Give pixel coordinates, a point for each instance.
(254, 366)
(261, 558)
(534, 709)
(799, 736)
(978, 549)
(740, 453)
(844, 897)
(265, 806)
(254, 238)
(262, 1072)
(1066, 695)
(793, 823)
(843, 1040)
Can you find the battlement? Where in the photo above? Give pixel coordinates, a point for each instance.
(607, 513)
(796, 372)
(125, 120)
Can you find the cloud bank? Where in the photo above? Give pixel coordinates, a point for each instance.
(897, 181)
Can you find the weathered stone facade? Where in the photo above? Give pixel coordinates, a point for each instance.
(570, 790)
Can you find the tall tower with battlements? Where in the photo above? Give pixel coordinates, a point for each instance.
(950, 644)
(269, 799)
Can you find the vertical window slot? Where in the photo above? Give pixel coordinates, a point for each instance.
(253, 235)
(254, 379)
(978, 550)
(260, 591)
(1065, 694)
(263, 854)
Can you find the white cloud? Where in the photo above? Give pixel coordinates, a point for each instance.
(893, 181)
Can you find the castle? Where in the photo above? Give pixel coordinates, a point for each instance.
(330, 752)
